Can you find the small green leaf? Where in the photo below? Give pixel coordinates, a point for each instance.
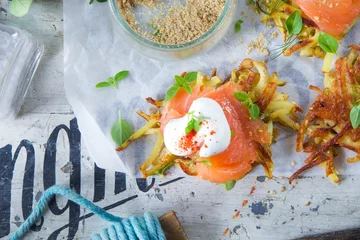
(121, 75)
(191, 76)
(237, 27)
(180, 81)
(170, 94)
(230, 184)
(101, 1)
(294, 23)
(102, 85)
(241, 96)
(187, 88)
(355, 117)
(189, 126)
(91, 1)
(232, 133)
(121, 131)
(19, 8)
(247, 103)
(112, 82)
(254, 111)
(197, 125)
(328, 43)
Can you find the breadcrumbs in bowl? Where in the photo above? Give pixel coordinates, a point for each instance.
(171, 30)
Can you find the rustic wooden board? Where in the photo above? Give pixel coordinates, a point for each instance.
(204, 210)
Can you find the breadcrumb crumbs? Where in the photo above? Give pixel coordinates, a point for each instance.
(307, 203)
(260, 44)
(282, 189)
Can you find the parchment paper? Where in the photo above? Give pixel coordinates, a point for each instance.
(94, 50)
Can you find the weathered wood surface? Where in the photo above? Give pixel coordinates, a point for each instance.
(205, 210)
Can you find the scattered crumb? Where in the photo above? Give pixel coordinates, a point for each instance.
(282, 189)
(233, 62)
(272, 192)
(281, 177)
(293, 163)
(274, 35)
(260, 44)
(226, 231)
(252, 190)
(243, 14)
(244, 203)
(267, 179)
(241, 41)
(237, 214)
(307, 203)
(295, 183)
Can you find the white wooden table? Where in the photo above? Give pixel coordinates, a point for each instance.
(205, 210)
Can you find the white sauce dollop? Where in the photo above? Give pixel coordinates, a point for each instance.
(213, 137)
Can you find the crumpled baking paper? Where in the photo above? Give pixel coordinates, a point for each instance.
(95, 50)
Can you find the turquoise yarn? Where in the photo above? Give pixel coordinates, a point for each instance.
(146, 227)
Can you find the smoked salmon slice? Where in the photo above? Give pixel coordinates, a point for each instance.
(331, 16)
(237, 160)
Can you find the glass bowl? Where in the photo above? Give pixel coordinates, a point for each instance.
(176, 51)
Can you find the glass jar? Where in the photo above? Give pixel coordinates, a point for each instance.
(176, 51)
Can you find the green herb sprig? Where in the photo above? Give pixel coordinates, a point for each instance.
(328, 43)
(194, 123)
(113, 81)
(100, 1)
(293, 25)
(121, 130)
(254, 109)
(181, 82)
(237, 27)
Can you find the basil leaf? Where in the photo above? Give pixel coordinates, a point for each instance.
(19, 8)
(179, 80)
(102, 85)
(187, 88)
(294, 23)
(111, 80)
(197, 125)
(101, 1)
(190, 126)
(247, 103)
(121, 131)
(91, 1)
(241, 96)
(232, 133)
(121, 75)
(254, 111)
(355, 117)
(237, 27)
(170, 94)
(230, 184)
(328, 43)
(191, 76)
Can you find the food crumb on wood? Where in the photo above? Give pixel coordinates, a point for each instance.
(281, 177)
(237, 214)
(307, 203)
(282, 189)
(244, 203)
(226, 231)
(293, 163)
